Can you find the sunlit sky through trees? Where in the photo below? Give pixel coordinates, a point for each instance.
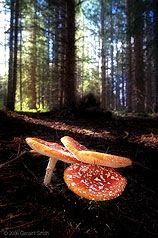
(4, 30)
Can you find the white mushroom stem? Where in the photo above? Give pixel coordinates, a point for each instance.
(49, 170)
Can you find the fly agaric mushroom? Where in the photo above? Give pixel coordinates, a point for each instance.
(103, 159)
(92, 157)
(72, 145)
(54, 151)
(94, 182)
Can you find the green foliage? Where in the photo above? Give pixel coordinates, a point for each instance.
(92, 83)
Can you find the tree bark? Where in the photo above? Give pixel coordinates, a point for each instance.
(33, 62)
(15, 51)
(20, 68)
(112, 58)
(138, 51)
(155, 11)
(148, 62)
(129, 85)
(118, 104)
(10, 103)
(70, 77)
(103, 69)
(123, 80)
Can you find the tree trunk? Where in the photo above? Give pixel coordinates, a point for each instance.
(155, 11)
(15, 51)
(117, 103)
(70, 78)
(55, 78)
(33, 62)
(103, 69)
(123, 79)
(112, 58)
(10, 102)
(83, 54)
(63, 49)
(148, 62)
(138, 51)
(129, 59)
(20, 67)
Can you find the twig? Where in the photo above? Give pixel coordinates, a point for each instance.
(48, 188)
(18, 150)
(14, 217)
(26, 225)
(75, 229)
(131, 219)
(13, 160)
(33, 175)
(141, 165)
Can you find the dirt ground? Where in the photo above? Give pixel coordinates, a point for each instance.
(29, 209)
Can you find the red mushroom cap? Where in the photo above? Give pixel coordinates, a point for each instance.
(52, 150)
(94, 182)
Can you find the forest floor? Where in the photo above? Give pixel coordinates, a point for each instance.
(28, 208)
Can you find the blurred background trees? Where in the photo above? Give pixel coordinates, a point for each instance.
(56, 52)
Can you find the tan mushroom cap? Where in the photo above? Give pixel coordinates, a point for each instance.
(52, 150)
(91, 157)
(72, 145)
(94, 182)
(103, 159)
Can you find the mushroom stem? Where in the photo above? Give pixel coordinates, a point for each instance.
(54, 151)
(49, 170)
